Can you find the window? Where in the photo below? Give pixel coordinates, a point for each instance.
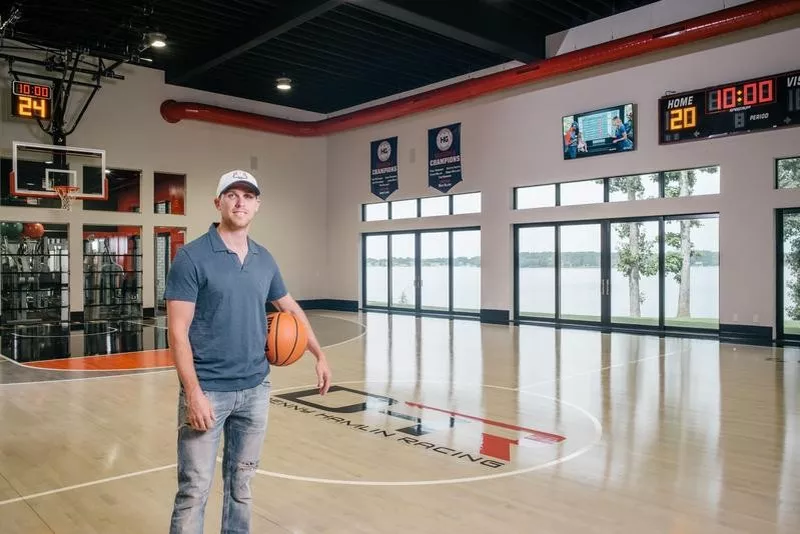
(437, 206)
(788, 173)
(378, 211)
(585, 192)
(537, 196)
(169, 192)
(664, 184)
(124, 189)
(404, 209)
(691, 182)
(635, 187)
(466, 203)
(112, 267)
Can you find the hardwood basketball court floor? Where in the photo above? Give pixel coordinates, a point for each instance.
(433, 425)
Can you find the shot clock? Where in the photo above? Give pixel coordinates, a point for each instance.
(742, 107)
(30, 100)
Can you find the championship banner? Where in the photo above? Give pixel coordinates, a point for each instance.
(444, 157)
(383, 167)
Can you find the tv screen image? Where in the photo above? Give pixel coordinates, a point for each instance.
(597, 132)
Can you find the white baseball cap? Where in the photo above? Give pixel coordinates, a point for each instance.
(237, 177)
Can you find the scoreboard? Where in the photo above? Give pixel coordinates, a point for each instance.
(31, 100)
(742, 107)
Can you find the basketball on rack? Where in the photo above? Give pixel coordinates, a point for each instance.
(287, 339)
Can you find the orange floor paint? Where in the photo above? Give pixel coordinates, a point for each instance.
(146, 359)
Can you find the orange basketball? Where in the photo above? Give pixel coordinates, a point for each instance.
(33, 230)
(287, 339)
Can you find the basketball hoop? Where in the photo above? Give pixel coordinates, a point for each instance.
(66, 193)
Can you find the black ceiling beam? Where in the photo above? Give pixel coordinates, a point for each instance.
(477, 26)
(290, 15)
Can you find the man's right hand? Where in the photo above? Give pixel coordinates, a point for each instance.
(200, 414)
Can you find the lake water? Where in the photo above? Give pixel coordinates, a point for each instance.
(580, 292)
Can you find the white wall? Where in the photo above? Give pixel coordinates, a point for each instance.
(514, 140)
(124, 120)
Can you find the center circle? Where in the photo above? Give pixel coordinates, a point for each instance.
(402, 433)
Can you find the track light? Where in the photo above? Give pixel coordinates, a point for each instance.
(284, 84)
(157, 39)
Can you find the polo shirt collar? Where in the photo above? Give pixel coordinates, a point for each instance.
(218, 245)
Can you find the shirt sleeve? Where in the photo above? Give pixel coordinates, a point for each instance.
(277, 287)
(182, 280)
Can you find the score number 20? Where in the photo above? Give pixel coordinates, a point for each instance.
(682, 118)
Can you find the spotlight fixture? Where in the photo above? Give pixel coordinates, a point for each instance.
(284, 84)
(157, 39)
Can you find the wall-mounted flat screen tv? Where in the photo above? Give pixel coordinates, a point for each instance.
(597, 132)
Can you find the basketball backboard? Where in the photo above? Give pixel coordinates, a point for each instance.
(38, 170)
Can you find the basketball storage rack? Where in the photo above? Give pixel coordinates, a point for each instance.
(48, 171)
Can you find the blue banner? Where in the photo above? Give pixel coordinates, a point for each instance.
(444, 157)
(383, 167)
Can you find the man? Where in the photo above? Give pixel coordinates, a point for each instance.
(621, 135)
(216, 295)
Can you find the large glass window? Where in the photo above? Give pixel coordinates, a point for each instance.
(437, 271)
(649, 273)
(112, 270)
(34, 272)
(788, 245)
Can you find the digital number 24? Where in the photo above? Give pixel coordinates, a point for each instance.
(30, 107)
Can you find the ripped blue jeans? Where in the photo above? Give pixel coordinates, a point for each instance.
(242, 417)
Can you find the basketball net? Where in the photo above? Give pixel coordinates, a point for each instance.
(66, 193)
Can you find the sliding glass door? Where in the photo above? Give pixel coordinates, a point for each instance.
(788, 275)
(635, 293)
(582, 275)
(432, 271)
(645, 274)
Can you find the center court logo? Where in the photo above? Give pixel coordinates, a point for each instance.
(424, 427)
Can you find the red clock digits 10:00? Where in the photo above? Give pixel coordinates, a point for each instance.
(31, 89)
(748, 94)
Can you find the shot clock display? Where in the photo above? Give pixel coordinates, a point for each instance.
(30, 100)
(742, 107)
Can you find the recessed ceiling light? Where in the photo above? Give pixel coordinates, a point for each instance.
(284, 84)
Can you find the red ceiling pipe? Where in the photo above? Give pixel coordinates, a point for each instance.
(711, 25)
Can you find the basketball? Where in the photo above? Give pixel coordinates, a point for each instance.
(287, 339)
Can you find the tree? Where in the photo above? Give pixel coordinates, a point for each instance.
(636, 256)
(789, 176)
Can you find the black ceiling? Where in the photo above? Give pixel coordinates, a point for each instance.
(337, 53)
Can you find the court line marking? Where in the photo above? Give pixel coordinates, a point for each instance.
(598, 437)
(579, 452)
(85, 485)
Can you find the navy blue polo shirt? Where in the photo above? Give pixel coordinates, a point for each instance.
(229, 329)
